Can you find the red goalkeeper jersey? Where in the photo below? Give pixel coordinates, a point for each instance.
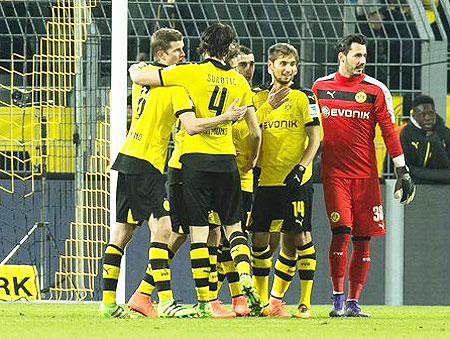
(351, 108)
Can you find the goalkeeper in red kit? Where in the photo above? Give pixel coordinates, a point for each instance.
(352, 104)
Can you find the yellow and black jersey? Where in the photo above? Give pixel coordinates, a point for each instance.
(155, 110)
(240, 139)
(212, 87)
(178, 137)
(284, 137)
(241, 142)
(258, 100)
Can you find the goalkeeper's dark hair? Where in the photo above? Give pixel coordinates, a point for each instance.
(216, 40)
(162, 39)
(284, 49)
(344, 45)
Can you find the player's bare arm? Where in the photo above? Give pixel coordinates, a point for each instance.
(294, 178)
(194, 125)
(140, 77)
(313, 133)
(254, 137)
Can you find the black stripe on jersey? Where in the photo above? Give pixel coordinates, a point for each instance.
(157, 64)
(178, 113)
(315, 122)
(344, 96)
(218, 64)
(160, 77)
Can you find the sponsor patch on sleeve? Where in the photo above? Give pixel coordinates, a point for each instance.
(314, 110)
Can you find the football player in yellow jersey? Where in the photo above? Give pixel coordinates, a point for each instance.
(283, 200)
(240, 58)
(140, 186)
(180, 229)
(210, 175)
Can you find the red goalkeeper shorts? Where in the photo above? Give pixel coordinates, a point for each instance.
(355, 203)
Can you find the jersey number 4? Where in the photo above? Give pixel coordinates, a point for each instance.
(217, 104)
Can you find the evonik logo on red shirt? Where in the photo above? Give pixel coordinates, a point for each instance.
(343, 112)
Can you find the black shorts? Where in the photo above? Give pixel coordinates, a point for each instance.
(247, 200)
(139, 196)
(277, 209)
(175, 191)
(205, 191)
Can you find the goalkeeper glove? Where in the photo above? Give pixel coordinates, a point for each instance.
(405, 189)
(294, 179)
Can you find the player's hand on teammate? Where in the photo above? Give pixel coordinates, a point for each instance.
(294, 179)
(278, 98)
(234, 112)
(405, 189)
(136, 67)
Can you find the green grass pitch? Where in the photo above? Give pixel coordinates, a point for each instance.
(19, 320)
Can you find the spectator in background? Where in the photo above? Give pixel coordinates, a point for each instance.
(433, 12)
(142, 56)
(426, 143)
(390, 43)
(371, 17)
(431, 16)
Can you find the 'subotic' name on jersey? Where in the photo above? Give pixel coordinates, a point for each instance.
(223, 85)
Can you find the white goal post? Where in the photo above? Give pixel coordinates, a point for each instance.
(119, 59)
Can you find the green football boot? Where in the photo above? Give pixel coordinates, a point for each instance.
(170, 309)
(111, 311)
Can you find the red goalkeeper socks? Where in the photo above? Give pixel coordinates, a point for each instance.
(338, 260)
(359, 267)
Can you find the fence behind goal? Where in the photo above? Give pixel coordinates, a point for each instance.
(54, 80)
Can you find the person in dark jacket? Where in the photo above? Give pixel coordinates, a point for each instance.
(426, 143)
